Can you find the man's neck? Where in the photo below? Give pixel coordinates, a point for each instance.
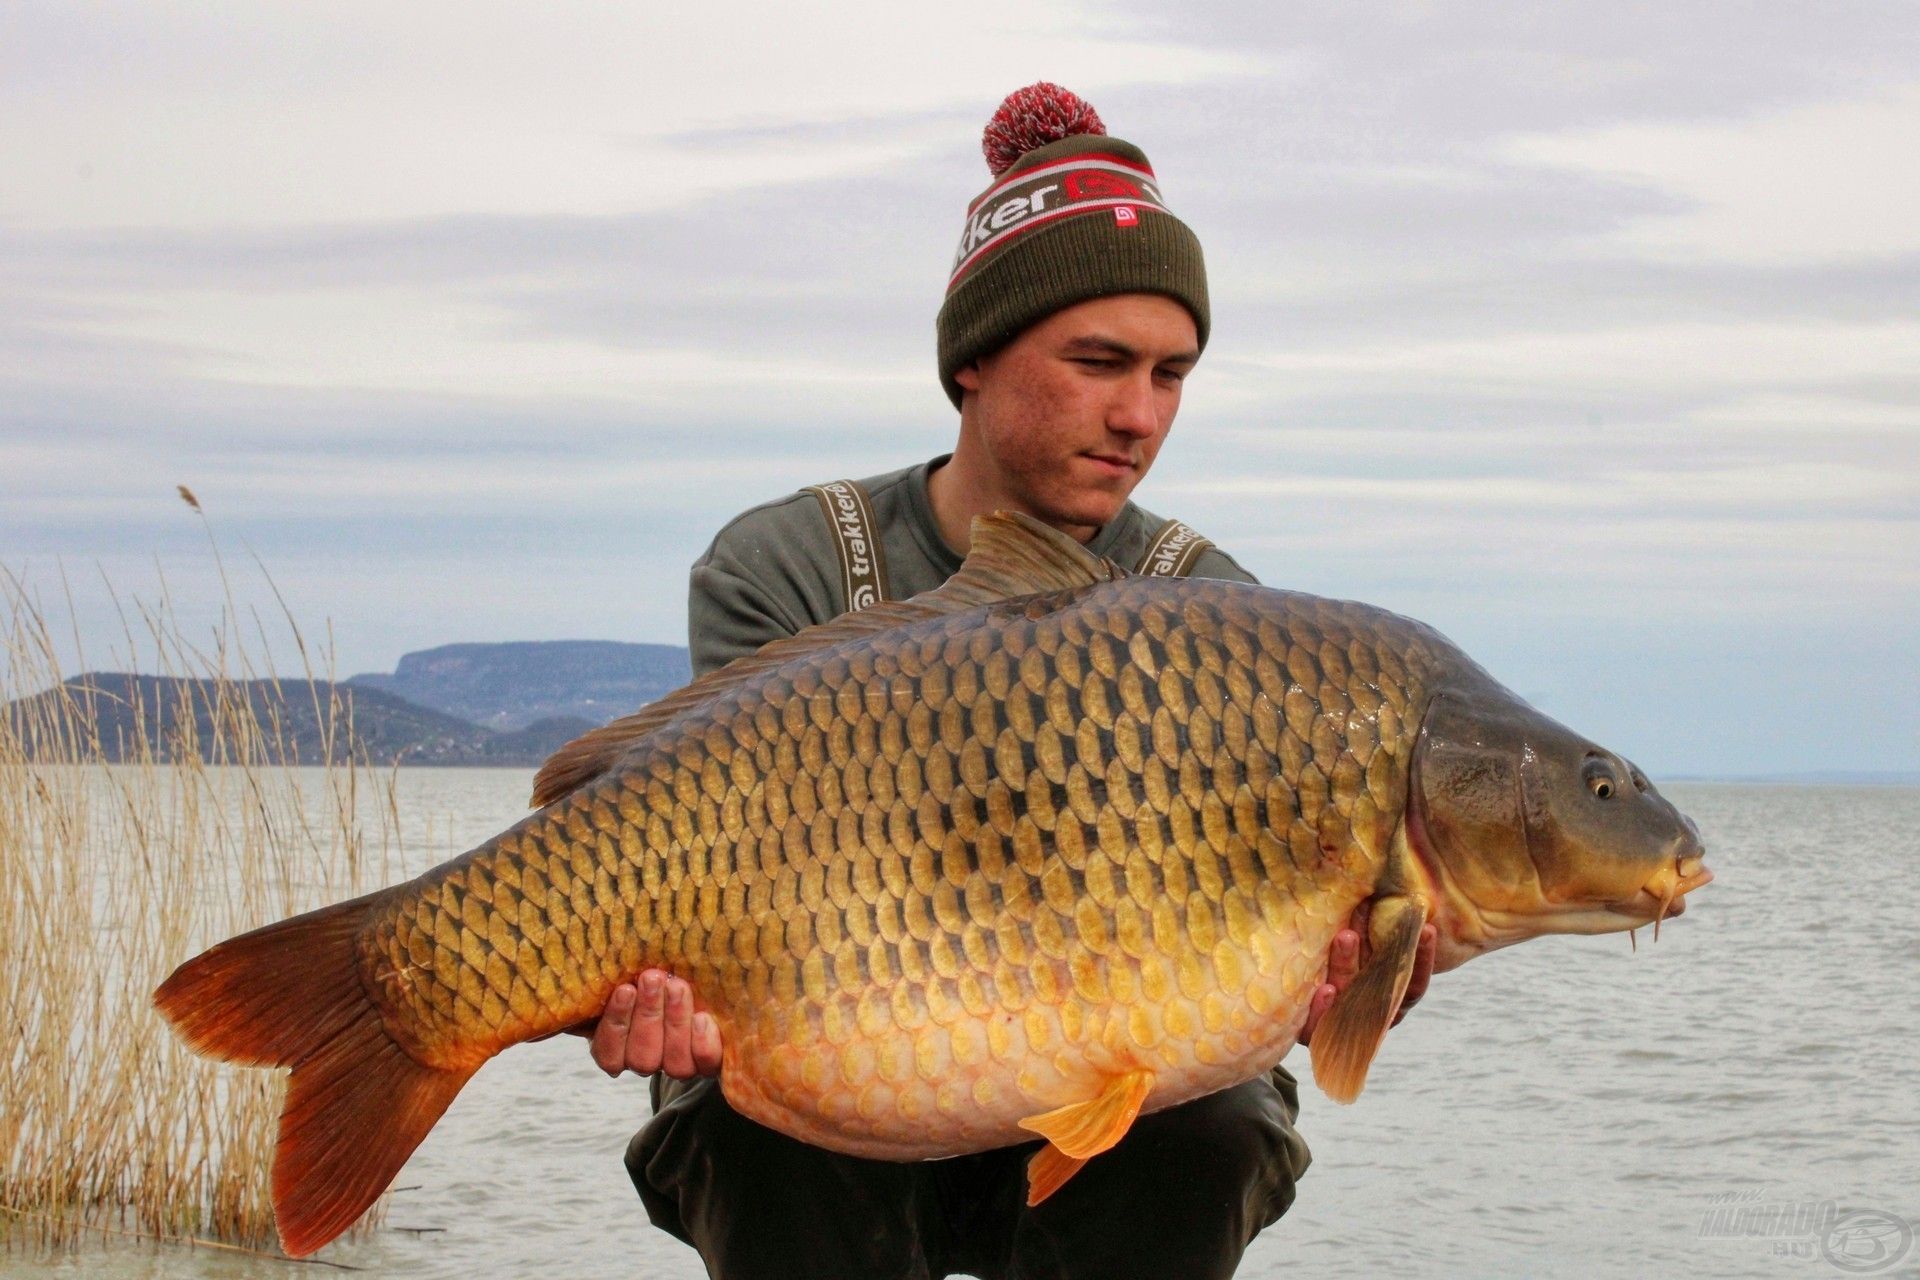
(968, 486)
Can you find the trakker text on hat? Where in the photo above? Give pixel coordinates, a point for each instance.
(1071, 214)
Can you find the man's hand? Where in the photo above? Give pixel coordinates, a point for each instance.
(651, 1026)
(1345, 962)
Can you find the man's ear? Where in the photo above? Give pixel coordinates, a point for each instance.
(967, 376)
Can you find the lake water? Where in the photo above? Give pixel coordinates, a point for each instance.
(1563, 1108)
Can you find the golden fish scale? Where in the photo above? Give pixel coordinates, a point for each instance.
(947, 876)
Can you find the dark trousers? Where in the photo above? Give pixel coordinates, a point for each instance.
(1182, 1195)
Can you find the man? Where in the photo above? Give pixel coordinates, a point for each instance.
(1076, 309)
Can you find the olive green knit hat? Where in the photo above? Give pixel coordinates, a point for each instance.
(1071, 214)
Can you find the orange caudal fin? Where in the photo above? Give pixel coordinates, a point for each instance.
(1079, 1131)
(290, 995)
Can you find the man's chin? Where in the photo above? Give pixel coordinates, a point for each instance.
(1083, 517)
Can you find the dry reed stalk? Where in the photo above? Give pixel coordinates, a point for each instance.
(111, 874)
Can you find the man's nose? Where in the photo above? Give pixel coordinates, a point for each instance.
(1134, 411)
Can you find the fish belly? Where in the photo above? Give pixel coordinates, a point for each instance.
(928, 1080)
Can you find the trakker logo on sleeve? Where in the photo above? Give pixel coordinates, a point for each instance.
(863, 569)
(1035, 197)
(1173, 551)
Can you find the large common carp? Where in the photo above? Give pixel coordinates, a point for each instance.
(1033, 853)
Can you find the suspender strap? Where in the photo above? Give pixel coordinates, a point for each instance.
(863, 567)
(1172, 551)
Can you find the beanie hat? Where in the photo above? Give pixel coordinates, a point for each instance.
(1071, 214)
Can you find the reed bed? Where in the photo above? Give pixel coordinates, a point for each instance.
(120, 859)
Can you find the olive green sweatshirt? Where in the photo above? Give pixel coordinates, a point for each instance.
(775, 570)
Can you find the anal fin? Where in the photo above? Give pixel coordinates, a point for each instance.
(1079, 1131)
(1348, 1037)
(1048, 1171)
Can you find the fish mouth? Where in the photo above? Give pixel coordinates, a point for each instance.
(1664, 894)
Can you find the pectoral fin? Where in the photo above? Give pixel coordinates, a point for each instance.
(1350, 1034)
(1079, 1131)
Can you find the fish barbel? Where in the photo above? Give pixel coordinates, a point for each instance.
(1033, 853)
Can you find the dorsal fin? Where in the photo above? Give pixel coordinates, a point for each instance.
(1012, 555)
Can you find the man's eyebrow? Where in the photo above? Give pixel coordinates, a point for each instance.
(1095, 344)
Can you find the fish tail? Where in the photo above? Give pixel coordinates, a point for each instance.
(291, 995)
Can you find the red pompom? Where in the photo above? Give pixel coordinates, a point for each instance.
(1033, 117)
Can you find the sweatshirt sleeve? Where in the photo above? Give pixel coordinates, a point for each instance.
(1215, 563)
(768, 574)
(728, 617)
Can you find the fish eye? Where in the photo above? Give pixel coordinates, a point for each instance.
(1600, 779)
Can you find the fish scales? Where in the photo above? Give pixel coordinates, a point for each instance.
(944, 877)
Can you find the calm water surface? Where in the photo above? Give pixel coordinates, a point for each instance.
(1564, 1108)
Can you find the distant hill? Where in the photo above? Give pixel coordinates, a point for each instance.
(512, 685)
(387, 728)
(459, 704)
(1815, 778)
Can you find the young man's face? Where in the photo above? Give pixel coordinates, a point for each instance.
(1072, 412)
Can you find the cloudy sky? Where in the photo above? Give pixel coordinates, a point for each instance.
(1588, 332)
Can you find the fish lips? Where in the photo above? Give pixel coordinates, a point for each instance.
(1664, 896)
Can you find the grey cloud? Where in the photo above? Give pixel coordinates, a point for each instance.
(874, 129)
(1501, 289)
(1407, 77)
(1440, 261)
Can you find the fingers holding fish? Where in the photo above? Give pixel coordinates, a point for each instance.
(706, 1045)
(676, 1055)
(1323, 997)
(650, 1026)
(609, 1044)
(1343, 961)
